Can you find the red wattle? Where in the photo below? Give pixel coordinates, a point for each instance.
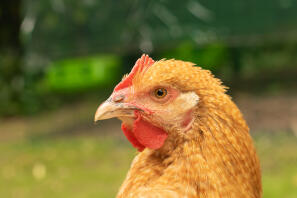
(147, 134)
(144, 134)
(131, 137)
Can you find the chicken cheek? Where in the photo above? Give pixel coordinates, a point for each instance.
(145, 134)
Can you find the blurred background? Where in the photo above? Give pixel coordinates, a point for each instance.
(59, 59)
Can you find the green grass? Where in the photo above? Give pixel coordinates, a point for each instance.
(278, 156)
(65, 167)
(94, 166)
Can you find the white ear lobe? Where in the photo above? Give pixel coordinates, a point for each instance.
(193, 97)
(190, 99)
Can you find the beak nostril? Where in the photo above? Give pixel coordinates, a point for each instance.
(118, 98)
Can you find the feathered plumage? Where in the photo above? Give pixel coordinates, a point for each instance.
(194, 141)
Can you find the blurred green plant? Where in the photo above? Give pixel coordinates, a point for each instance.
(11, 51)
(59, 82)
(77, 74)
(232, 40)
(212, 56)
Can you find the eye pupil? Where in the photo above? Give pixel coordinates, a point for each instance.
(160, 93)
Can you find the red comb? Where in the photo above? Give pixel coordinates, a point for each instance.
(144, 62)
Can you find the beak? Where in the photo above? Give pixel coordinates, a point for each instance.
(111, 109)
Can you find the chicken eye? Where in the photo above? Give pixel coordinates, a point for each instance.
(160, 93)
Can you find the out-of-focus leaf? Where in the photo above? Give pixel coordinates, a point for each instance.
(81, 73)
(211, 56)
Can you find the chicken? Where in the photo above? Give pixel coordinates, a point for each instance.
(192, 139)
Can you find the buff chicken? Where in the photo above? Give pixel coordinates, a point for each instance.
(192, 139)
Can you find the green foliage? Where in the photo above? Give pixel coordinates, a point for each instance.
(79, 74)
(212, 56)
(199, 31)
(11, 82)
(41, 88)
